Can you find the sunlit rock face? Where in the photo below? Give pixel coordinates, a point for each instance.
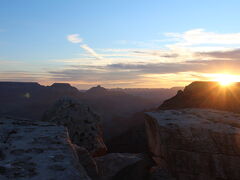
(32, 150)
(206, 95)
(82, 122)
(196, 144)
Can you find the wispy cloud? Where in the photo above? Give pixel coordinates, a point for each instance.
(91, 51)
(74, 38)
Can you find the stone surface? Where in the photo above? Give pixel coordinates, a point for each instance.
(83, 124)
(110, 164)
(87, 161)
(196, 144)
(37, 151)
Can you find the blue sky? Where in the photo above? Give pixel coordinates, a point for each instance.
(34, 44)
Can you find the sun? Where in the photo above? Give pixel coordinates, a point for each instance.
(226, 79)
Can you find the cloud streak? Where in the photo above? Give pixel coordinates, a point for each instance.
(231, 54)
(74, 38)
(91, 51)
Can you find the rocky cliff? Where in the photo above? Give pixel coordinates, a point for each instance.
(206, 95)
(195, 144)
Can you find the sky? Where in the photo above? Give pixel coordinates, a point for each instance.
(128, 44)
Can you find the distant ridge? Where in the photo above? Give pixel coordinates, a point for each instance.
(208, 94)
(8, 83)
(98, 90)
(66, 87)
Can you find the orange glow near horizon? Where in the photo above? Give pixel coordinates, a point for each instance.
(226, 79)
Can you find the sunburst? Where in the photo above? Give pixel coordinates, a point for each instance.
(226, 79)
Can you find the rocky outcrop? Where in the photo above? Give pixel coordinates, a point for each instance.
(196, 144)
(83, 124)
(37, 150)
(206, 95)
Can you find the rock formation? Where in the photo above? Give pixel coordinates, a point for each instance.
(37, 150)
(196, 144)
(206, 95)
(83, 124)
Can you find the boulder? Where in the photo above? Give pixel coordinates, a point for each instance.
(37, 150)
(82, 122)
(195, 144)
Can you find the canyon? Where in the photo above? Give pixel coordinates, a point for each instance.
(194, 135)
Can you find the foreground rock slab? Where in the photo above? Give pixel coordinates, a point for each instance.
(196, 144)
(36, 151)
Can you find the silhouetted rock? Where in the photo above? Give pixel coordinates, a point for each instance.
(30, 100)
(64, 88)
(206, 95)
(37, 150)
(82, 122)
(97, 91)
(195, 144)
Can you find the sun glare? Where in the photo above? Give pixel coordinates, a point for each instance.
(226, 79)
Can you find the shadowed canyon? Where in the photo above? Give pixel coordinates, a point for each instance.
(187, 133)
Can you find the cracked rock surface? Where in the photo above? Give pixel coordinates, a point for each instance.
(196, 144)
(36, 151)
